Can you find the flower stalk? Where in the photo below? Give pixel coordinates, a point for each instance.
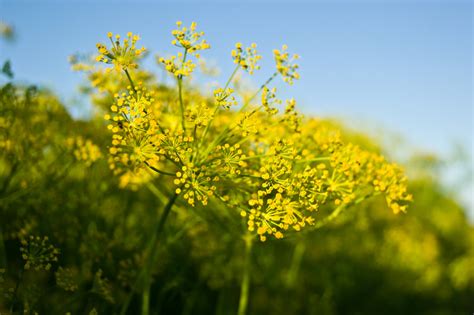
(153, 246)
(245, 284)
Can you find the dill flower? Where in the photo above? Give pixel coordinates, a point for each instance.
(269, 100)
(230, 158)
(248, 124)
(195, 183)
(66, 278)
(224, 98)
(199, 113)
(135, 138)
(102, 287)
(122, 55)
(390, 180)
(84, 150)
(246, 58)
(291, 117)
(277, 170)
(285, 65)
(189, 39)
(38, 253)
(178, 66)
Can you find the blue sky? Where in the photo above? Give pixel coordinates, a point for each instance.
(402, 65)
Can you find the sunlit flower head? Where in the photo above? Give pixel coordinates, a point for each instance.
(189, 39)
(123, 55)
(286, 65)
(247, 58)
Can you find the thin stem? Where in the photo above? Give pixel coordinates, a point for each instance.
(337, 211)
(131, 81)
(135, 95)
(295, 264)
(146, 301)
(208, 126)
(231, 77)
(3, 253)
(270, 79)
(245, 285)
(17, 286)
(228, 128)
(329, 218)
(180, 91)
(153, 245)
(181, 104)
(158, 170)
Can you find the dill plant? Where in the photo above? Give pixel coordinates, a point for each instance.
(62, 190)
(268, 170)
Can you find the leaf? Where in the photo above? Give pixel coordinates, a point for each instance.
(7, 69)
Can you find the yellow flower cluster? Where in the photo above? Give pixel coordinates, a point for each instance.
(84, 149)
(38, 253)
(199, 114)
(178, 66)
(390, 180)
(122, 55)
(224, 98)
(5, 142)
(65, 279)
(279, 171)
(135, 132)
(286, 66)
(246, 58)
(291, 116)
(188, 38)
(230, 158)
(269, 100)
(196, 183)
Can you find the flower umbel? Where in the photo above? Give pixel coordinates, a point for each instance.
(189, 38)
(38, 253)
(224, 98)
(177, 65)
(123, 55)
(285, 65)
(247, 58)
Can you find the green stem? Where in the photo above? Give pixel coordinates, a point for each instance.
(131, 81)
(3, 253)
(181, 104)
(245, 285)
(125, 305)
(228, 128)
(206, 130)
(295, 264)
(270, 79)
(329, 218)
(146, 302)
(337, 211)
(180, 92)
(158, 170)
(17, 286)
(231, 77)
(153, 245)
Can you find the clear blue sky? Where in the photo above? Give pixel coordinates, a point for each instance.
(403, 65)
